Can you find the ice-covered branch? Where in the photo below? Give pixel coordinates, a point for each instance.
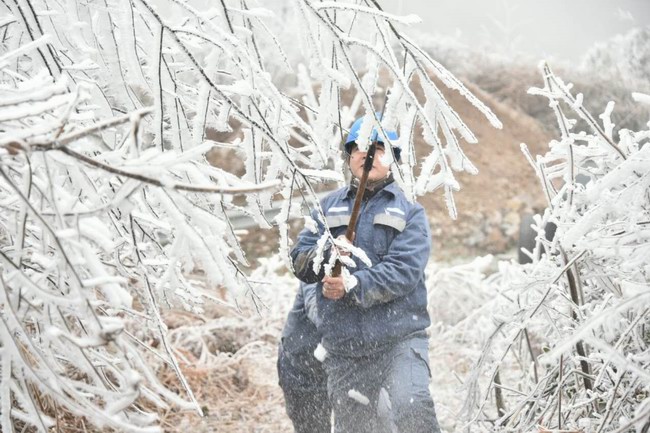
(109, 115)
(584, 303)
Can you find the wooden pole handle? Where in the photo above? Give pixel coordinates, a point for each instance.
(349, 233)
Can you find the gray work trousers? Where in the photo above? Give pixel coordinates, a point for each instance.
(395, 383)
(304, 385)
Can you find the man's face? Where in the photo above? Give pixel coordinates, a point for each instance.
(357, 159)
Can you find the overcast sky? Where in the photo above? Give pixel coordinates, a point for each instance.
(563, 29)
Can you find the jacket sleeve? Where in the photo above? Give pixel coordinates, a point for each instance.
(401, 269)
(311, 306)
(305, 251)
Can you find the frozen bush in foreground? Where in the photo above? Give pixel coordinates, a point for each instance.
(109, 211)
(571, 345)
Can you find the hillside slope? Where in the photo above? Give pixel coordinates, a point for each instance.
(490, 203)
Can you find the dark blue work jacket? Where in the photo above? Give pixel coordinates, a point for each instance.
(390, 300)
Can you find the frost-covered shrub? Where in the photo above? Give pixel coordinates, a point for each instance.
(571, 346)
(110, 213)
(624, 58)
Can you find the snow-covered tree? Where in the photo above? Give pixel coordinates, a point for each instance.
(109, 210)
(624, 58)
(570, 346)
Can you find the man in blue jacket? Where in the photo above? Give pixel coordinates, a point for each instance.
(373, 322)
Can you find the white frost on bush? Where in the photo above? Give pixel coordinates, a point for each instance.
(572, 333)
(110, 209)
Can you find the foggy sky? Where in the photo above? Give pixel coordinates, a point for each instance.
(562, 29)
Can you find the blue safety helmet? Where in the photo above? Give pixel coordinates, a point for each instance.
(354, 134)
